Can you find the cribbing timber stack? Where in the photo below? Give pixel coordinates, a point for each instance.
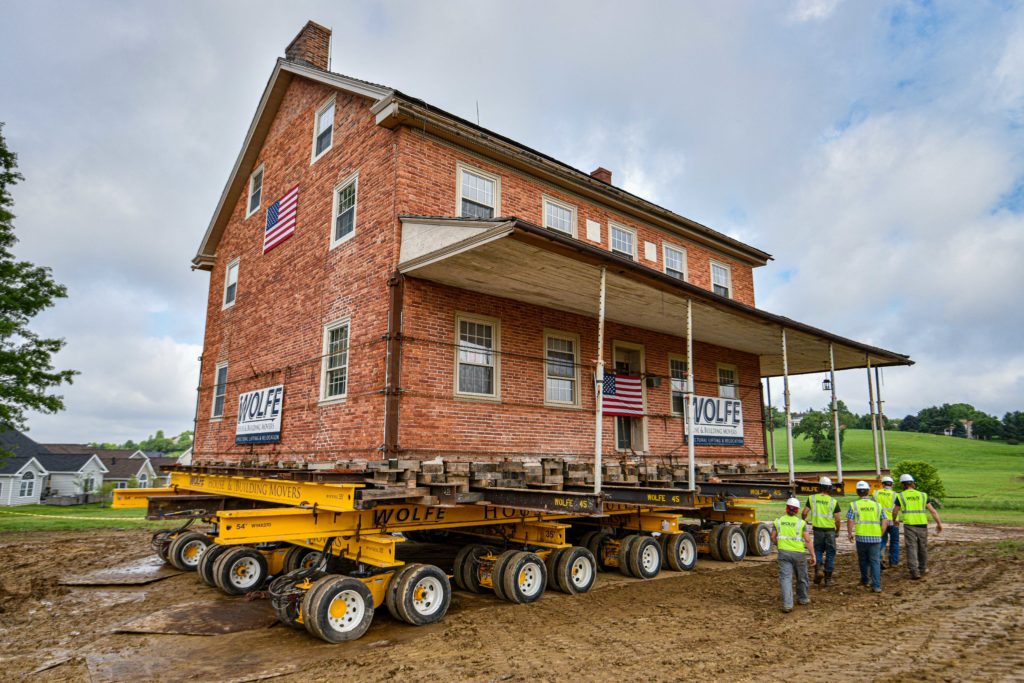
(332, 537)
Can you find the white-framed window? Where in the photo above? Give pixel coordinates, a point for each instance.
(28, 485)
(622, 240)
(323, 129)
(559, 216)
(89, 485)
(727, 381)
(675, 261)
(122, 485)
(344, 224)
(255, 192)
(721, 279)
(479, 193)
(334, 371)
(677, 378)
(231, 284)
(561, 368)
(476, 363)
(220, 389)
(143, 481)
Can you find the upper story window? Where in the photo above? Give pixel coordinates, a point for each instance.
(255, 192)
(28, 485)
(721, 279)
(559, 216)
(479, 193)
(345, 211)
(477, 364)
(675, 262)
(334, 379)
(623, 240)
(677, 371)
(560, 368)
(323, 129)
(220, 389)
(231, 284)
(727, 382)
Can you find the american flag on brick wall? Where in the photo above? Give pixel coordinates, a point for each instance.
(281, 219)
(623, 395)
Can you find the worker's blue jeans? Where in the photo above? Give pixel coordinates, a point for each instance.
(891, 537)
(793, 563)
(870, 557)
(825, 545)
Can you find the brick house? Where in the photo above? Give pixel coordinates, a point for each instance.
(441, 294)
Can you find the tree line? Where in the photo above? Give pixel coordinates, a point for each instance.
(156, 443)
(939, 419)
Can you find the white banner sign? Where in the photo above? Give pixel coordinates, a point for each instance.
(259, 416)
(719, 421)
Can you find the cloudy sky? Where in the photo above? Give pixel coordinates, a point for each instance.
(875, 149)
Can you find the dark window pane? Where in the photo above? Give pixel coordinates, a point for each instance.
(476, 379)
(323, 141)
(471, 209)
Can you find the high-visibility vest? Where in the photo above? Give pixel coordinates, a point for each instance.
(790, 532)
(823, 509)
(887, 499)
(867, 515)
(913, 504)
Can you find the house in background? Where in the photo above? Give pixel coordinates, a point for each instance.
(22, 476)
(124, 467)
(159, 462)
(72, 476)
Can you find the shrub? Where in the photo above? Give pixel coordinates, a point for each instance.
(926, 477)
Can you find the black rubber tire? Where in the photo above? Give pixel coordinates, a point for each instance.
(680, 552)
(435, 595)
(287, 611)
(353, 622)
(624, 547)
(311, 599)
(227, 566)
(584, 540)
(569, 576)
(299, 557)
(759, 540)
(186, 549)
(161, 542)
(391, 593)
(524, 568)
(732, 543)
(644, 546)
(206, 562)
(551, 565)
(498, 573)
(595, 544)
(716, 552)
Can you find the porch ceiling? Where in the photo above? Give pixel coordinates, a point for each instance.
(522, 262)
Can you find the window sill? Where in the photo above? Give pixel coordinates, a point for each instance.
(225, 307)
(217, 419)
(477, 398)
(347, 238)
(563, 406)
(318, 157)
(334, 400)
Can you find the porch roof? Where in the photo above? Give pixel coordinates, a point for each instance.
(514, 259)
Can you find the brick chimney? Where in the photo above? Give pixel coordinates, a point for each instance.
(602, 174)
(312, 46)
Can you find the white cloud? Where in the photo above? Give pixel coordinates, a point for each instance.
(812, 10)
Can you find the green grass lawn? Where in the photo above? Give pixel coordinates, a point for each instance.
(984, 479)
(73, 517)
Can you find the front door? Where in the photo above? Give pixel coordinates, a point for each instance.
(629, 431)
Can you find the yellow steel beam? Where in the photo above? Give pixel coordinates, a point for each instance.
(138, 498)
(334, 497)
(732, 514)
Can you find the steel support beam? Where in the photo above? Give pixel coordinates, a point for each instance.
(691, 416)
(874, 424)
(789, 412)
(835, 413)
(599, 384)
(881, 418)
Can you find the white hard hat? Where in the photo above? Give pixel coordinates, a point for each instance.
(863, 486)
(792, 503)
(906, 478)
(887, 479)
(825, 481)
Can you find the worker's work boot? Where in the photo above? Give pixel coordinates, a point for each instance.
(828, 579)
(817, 575)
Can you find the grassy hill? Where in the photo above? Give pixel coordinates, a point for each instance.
(984, 479)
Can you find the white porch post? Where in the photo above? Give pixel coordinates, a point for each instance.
(789, 412)
(881, 419)
(874, 424)
(599, 384)
(771, 422)
(835, 413)
(691, 471)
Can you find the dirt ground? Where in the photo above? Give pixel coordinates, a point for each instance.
(964, 622)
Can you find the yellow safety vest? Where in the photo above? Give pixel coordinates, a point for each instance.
(913, 507)
(823, 509)
(867, 516)
(790, 532)
(887, 499)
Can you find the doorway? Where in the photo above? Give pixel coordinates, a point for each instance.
(630, 432)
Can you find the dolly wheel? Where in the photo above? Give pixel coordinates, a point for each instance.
(524, 578)
(240, 570)
(206, 562)
(424, 594)
(342, 609)
(498, 573)
(681, 552)
(759, 540)
(161, 542)
(391, 592)
(595, 544)
(713, 541)
(732, 543)
(575, 572)
(551, 564)
(467, 567)
(298, 557)
(644, 558)
(186, 549)
(624, 547)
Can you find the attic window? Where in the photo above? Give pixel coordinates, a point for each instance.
(323, 130)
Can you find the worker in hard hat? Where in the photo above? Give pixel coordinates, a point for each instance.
(866, 521)
(913, 507)
(886, 497)
(791, 535)
(824, 512)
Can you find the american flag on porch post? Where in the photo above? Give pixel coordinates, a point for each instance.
(623, 395)
(281, 219)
